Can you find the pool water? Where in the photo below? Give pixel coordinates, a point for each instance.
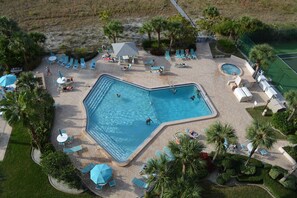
(230, 69)
(118, 123)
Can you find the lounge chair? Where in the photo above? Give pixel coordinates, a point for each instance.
(243, 147)
(242, 94)
(66, 59)
(158, 153)
(70, 63)
(177, 54)
(112, 183)
(149, 62)
(168, 153)
(263, 152)
(159, 69)
(93, 64)
(61, 59)
(192, 134)
(125, 68)
(75, 66)
(226, 144)
(182, 53)
(237, 81)
(83, 63)
(193, 53)
(87, 168)
(167, 55)
(142, 169)
(72, 149)
(139, 183)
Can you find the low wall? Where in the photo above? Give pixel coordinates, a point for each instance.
(287, 155)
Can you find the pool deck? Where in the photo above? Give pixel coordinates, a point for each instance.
(70, 113)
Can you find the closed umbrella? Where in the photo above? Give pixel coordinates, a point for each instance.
(7, 80)
(101, 173)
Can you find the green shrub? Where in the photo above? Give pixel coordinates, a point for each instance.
(276, 188)
(226, 45)
(227, 163)
(231, 172)
(157, 52)
(292, 151)
(59, 166)
(277, 172)
(146, 44)
(279, 121)
(220, 180)
(248, 170)
(289, 183)
(202, 173)
(226, 177)
(256, 178)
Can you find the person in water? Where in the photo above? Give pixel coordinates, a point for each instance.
(192, 97)
(118, 95)
(148, 121)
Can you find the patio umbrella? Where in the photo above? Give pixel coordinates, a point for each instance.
(60, 74)
(7, 80)
(101, 173)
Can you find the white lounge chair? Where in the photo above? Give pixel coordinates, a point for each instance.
(241, 94)
(247, 92)
(237, 81)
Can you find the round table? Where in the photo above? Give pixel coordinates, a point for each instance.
(61, 80)
(62, 138)
(52, 58)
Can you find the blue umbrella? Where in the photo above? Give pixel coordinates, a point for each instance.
(60, 74)
(101, 173)
(7, 80)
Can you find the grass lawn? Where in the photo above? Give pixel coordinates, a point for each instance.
(256, 114)
(214, 191)
(20, 176)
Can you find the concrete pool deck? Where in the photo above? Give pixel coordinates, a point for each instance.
(70, 113)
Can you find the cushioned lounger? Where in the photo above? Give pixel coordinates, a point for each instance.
(240, 95)
(247, 92)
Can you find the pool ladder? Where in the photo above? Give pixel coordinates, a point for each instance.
(172, 88)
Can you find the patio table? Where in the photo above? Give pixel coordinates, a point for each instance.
(52, 58)
(61, 138)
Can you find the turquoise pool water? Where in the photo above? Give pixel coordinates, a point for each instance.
(118, 124)
(230, 69)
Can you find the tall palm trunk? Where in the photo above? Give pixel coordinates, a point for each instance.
(159, 35)
(149, 35)
(257, 69)
(291, 115)
(250, 156)
(171, 42)
(184, 169)
(215, 156)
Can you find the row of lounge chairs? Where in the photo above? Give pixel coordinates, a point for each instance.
(185, 54)
(64, 60)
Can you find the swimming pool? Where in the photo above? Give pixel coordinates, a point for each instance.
(230, 69)
(117, 112)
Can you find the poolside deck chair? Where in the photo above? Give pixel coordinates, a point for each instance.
(159, 69)
(93, 64)
(125, 68)
(168, 153)
(72, 149)
(87, 168)
(83, 63)
(75, 66)
(142, 169)
(181, 65)
(139, 183)
(112, 183)
(226, 144)
(193, 53)
(182, 53)
(65, 61)
(177, 54)
(158, 153)
(149, 62)
(167, 55)
(263, 152)
(70, 63)
(192, 134)
(61, 59)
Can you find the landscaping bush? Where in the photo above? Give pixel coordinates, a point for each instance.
(226, 46)
(276, 188)
(157, 52)
(277, 172)
(220, 180)
(292, 151)
(279, 121)
(226, 176)
(202, 173)
(146, 44)
(81, 53)
(59, 166)
(232, 172)
(248, 170)
(289, 183)
(227, 163)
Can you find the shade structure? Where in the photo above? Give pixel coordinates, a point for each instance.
(7, 80)
(101, 173)
(125, 49)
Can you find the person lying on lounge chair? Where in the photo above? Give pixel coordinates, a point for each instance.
(68, 88)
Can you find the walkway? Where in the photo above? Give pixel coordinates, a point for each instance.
(70, 113)
(5, 131)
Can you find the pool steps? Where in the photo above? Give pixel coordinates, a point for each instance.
(98, 92)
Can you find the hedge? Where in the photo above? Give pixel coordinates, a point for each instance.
(279, 121)
(277, 172)
(290, 183)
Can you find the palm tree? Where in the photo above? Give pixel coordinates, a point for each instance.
(291, 98)
(160, 173)
(148, 29)
(187, 154)
(27, 80)
(263, 55)
(217, 134)
(158, 24)
(260, 135)
(113, 29)
(173, 28)
(184, 188)
(17, 107)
